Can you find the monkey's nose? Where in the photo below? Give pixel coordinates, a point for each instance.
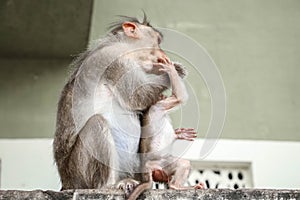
(162, 57)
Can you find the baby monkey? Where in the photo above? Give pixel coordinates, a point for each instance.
(158, 135)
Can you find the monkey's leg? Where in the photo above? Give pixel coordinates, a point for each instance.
(180, 168)
(93, 156)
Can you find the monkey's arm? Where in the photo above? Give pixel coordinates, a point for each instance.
(178, 88)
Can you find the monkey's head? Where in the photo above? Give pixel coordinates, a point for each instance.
(143, 42)
(135, 72)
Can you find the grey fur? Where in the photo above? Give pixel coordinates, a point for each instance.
(85, 142)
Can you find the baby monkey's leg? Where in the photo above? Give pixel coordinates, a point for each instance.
(180, 169)
(150, 166)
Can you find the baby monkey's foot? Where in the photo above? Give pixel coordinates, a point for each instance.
(199, 186)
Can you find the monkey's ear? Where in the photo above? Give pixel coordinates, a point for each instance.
(130, 29)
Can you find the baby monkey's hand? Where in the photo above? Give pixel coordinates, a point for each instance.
(168, 68)
(185, 134)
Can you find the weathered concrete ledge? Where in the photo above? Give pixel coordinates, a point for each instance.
(209, 194)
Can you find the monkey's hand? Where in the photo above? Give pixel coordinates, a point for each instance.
(185, 134)
(168, 68)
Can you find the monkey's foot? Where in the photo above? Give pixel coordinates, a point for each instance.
(199, 186)
(127, 185)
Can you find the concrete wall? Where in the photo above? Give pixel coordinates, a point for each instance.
(154, 194)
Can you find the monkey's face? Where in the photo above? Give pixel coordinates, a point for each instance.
(146, 43)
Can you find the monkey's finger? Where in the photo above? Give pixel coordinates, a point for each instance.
(189, 139)
(199, 186)
(162, 60)
(156, 64)
(190, 135)
(168, 60)
(162, 97)
(182, 137)
(190, 132)
(185, 129)
(163, 70)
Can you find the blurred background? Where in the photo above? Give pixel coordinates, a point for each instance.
(254, 43)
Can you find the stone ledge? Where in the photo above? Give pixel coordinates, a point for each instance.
(209, 194)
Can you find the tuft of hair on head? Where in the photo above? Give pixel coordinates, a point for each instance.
(116, 26)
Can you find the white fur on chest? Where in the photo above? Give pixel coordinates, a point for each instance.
(124, 125)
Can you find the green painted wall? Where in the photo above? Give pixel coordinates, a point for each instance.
(37, 40)
(44, 29)
(29, 93)
(255, 43)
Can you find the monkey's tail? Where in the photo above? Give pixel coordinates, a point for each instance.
(139, 190)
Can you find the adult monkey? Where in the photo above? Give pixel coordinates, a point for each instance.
(98, 126)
